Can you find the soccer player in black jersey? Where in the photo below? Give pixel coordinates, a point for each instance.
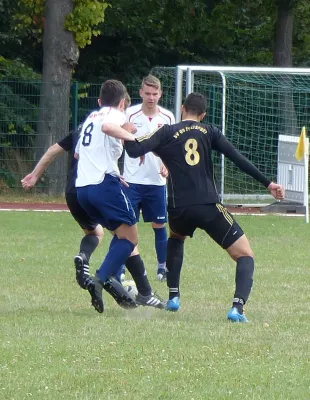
(93, 231)
(193, 201)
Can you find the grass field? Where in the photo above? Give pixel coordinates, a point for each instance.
(55, 346)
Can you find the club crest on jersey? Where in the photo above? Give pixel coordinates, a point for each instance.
(138, 125)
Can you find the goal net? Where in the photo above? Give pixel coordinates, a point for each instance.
(252, 106)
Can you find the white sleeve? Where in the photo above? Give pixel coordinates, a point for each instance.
(115, 117)
(77, 147)
(127, 115)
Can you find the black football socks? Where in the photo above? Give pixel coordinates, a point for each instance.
(244, 281)
(175, 251)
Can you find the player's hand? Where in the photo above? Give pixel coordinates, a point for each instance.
(130, 127)
(29, 181)
(163, 171)
(142, 160)
(123, 181)
(277, 191)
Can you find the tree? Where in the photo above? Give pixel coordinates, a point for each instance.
(67, 25)
(60, 58)
(283, 46)
(283, 57)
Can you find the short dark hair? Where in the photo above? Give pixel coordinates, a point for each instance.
(111, 93)
(196, 104)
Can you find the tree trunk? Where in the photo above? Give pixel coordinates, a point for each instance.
(283, 58)
(284, 34)
(60, 56)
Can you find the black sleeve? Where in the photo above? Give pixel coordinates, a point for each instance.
(67, 142)
(221, 144)
(146, 144)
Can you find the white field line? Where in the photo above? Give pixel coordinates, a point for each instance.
(29, 209)
(237, 213)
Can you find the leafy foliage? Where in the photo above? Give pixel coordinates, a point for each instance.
(302, 33)
(129, 37)
(18, 110)
(16, 69)
(29, 19)
(83, 21)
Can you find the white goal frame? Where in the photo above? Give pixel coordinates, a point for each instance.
(190, 71)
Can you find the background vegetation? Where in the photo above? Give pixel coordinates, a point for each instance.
(49, 44)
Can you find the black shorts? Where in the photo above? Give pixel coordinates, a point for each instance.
(214, 219)
(78, 213)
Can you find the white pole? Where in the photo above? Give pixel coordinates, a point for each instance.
(224, 133)
(306, 188)
(178, 94)
(247, 69)
(189, 81)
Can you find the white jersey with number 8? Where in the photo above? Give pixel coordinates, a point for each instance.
(98, 152)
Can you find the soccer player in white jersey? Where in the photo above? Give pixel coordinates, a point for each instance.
(147, 182)
(100, 192)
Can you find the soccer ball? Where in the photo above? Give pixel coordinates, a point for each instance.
(130, 287)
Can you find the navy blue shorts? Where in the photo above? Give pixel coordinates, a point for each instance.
(106, 203)
(79, 214)
(150, 199)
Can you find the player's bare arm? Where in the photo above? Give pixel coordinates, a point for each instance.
(164, 171)
(277, 190)
(117, 132)
(31, 179)
(130, 127)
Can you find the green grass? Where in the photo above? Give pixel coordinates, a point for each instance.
(55, 346)
(20, 196)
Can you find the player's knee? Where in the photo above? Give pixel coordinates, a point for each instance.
(99, 232)
(246, 253)
(157, 226)
(128, 232)
(240, 249)
(135, 252)
(173, 235)
(132, 239)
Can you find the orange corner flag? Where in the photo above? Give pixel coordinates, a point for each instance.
(301, 147)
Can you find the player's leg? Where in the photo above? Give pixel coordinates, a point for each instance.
(145, 296)
(133, 194)
(136, 268)
(134, 265)
(93, 236)
(175, 252)
(241, 252)
(122, 244)
(161, 241)
(88, 244)
(154, 210)
(107, 205)
(120, 274)
(118, 215)
(181, 226)
(229, 235)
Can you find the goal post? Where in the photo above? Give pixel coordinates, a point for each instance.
(252, 106)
